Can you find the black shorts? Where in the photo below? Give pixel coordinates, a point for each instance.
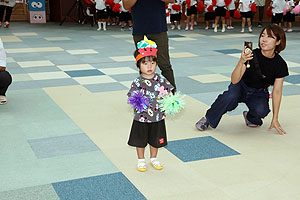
(220, 11)
(246, 14)
(209, 16)
(175, 17)
(125, 16)
(276, 19)
(289, 17)
(110, 13)
(231, 13)
(192, 10)
(101, 14)
(143, 133)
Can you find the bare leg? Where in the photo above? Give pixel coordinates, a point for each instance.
(140, 153)
(153, 151)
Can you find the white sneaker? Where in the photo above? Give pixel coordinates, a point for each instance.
(178, 27)
(206, 28)
(243, 30)
(104, 29)
(172, 27)
(223, 29)
(216, 29)
(289, 30)
(99, 29)
(250, 29)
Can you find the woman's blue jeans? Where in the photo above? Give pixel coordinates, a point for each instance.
(257, 100)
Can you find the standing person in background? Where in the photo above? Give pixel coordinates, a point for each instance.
(125, 17)
(231, 8)
(8, 6)
(220, 12)
(277, 9)
(190, 14)
(175, 14)
(289, 17)
(245, 9)
(149, 18)
(101, 14)
(261, 6)
(209, 15)
(5, 77)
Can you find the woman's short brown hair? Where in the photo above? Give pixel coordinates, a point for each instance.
(278, 33)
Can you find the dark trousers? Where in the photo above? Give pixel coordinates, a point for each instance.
(257, 100)
(261, 13)
(8, 13)
(163, 58)
(5, 81)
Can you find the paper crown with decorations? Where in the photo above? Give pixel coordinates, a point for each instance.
(146, 48)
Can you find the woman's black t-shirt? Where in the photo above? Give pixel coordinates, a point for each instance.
(271, 68)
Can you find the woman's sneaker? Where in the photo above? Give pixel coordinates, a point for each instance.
(202, 124)
(248, 123)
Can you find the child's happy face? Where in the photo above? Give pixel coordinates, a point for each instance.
(148, 68)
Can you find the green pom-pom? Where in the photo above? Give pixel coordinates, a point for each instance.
(171, 104)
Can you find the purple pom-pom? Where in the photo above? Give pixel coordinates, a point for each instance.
(138, 101)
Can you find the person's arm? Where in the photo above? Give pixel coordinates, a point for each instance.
(239, 6)
(276, 100)
(128, 3)
(240, 68)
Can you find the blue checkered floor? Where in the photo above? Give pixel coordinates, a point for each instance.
(65, 127)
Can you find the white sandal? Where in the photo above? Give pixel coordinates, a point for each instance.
(156, 165)
(141, 166)
(3, 100)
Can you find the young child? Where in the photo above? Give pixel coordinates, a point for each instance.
(277, 9)
(191, 13)
(245, 9)
(220, 12)
(231, 8)
(101, 14)
(289, 17)
(148, 126)
(175, 14)
(125, 16)
(209, 15)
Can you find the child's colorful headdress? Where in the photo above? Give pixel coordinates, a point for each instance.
(146, 48)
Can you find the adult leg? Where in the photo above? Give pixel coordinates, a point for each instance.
(225, 102)
(261, 13)
(2, 8)
(258, 104)
(8, 13)
(5, 81)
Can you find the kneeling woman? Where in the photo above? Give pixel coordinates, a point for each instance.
(250, 85)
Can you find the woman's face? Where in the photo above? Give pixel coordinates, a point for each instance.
(268, 42)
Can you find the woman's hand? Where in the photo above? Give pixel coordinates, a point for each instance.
(246, 55)
(275, 124)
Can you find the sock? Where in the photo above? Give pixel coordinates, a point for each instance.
(152, 159)
(99, 24)
(141, 160)
(104, 25)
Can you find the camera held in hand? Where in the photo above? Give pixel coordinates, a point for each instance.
(248, 50)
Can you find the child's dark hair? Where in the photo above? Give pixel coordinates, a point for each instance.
(142, 60)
